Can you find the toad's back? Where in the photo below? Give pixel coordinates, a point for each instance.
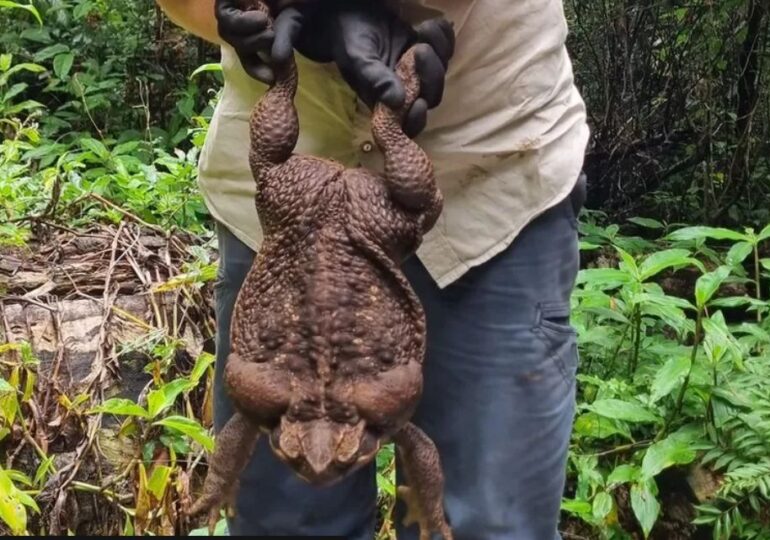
(325, 301)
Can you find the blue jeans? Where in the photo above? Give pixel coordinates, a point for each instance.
(498, 399)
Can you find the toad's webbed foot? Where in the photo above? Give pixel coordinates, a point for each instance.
(235, 445)
(424, 494)
(219, 496)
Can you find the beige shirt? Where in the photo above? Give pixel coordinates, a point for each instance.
(507, 141)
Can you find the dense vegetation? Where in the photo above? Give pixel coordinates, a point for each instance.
(103, 110)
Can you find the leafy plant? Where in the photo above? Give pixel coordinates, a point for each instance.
(663, 376)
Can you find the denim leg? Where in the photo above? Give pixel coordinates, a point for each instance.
(272, 499)
(499, 390)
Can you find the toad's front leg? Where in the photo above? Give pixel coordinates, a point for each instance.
(235, 445)
(424, 494)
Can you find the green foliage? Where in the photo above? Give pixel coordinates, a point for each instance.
(669, 382)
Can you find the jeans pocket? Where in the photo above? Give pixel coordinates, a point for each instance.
(559, 337)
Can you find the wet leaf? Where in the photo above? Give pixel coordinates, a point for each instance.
(164, 397)
(595, 426)
(120, 407)
(708, 284)
(158, 481)
(738, 253)
(622, 410)
(62, 64)
(701, 232)
(669, 376)
(191, 428)
(201, 365)
(673, 450)
(602, 505)
(661, 260)
(12, 511)
(622, 474)
(645, 506)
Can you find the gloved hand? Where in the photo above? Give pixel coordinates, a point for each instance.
(247, 33)
(365, 41)
(361, 37)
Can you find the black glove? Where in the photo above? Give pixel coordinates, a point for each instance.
(247, 33)
(365, 41)
(363, 38)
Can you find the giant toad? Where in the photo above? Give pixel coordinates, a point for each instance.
(328, 337)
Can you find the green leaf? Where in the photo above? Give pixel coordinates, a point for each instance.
(623, 474)
(128, 527)
(628, 262)
(764, 234)
(673, 450)
(13, 91)
(206, 67)
(26, 500)
(576, 507)
(201, 364)
(646, 222)
(594, 426)
(672, 316)
(661, 260)
(25, 66)
(708, 284)
(646, 507)
(42, 470)
(669, 376)
(159, 481)
(49, 52)
(12, 511)
(62, 64)
(602, 505)
(719, 339)
(5, 387)
(738, 253)
(587, 246)
(164, 397)
(191, 428)
(664, 300)
(604, 278)
(385, 484)
(607, 313)
(19, 477)
(219, 530)
(622, 410)
(5, 61)
(96, 147)
(700, 233)
(126, 147)
(120, 407)
(736, 301)
(27, 7)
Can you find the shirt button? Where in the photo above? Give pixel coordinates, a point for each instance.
(367, 147)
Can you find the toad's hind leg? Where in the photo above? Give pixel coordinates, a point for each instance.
(409, 173)
(424, 494)
(235, 445)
